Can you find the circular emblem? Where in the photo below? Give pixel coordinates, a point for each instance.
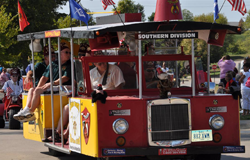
(215, 102)
(119, 105)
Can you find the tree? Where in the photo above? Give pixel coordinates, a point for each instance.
(187, 15)
(201, 46)
(151, 17)
(8, 31)
(129, 6)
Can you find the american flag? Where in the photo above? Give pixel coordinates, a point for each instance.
(8, 92)
(105, 3)
(238, 5)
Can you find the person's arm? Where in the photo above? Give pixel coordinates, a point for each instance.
(42, 81)
(117, 78)
(241, 80)
(64, 79)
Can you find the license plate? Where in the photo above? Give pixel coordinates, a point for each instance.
(202, 135)
(175, 151)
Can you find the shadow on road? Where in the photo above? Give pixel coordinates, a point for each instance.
(10, 132)
(73, 155)
(226, 157)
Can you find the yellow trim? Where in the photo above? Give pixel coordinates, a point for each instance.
(91, 148)
(100, 12)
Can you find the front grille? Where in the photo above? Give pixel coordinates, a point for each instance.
(169, 122)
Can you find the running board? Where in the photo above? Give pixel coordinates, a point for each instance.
(56, 148)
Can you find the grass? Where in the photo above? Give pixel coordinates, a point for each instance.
(245, 117)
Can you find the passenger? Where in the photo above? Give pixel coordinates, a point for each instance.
(33, 98)
(113, 79)
(39, 68)
(225, 64)
(230, 82)
(84, 50)
(57, 133)
(149, 49)
(3, 77)
(164, 68)
(8, 72)
(150, 74)
(221, 88)
(245, 91)
(14, 83)
(129, 73)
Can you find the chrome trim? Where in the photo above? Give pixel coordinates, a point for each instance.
(174, 142)
(116, 122)
(210, 121)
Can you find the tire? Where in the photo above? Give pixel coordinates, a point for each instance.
(208, 157)
(2, 122)
(13, 124)
(55, 153)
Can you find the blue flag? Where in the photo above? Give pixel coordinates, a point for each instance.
(216, 10)
(77, 12)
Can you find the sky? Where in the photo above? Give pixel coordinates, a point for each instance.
(197, 7)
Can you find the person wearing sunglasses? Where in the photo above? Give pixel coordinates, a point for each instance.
(150, 74)
(15, 83)
(110, 76)
(33, 99)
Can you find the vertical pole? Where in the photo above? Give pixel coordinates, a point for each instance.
(193, 70)
(72, 67)
(140, 70)
(51, 91)
(33, 63)
(208, 68)
(176, 67)
(60, 85)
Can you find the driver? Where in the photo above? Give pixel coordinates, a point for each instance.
(14, 86)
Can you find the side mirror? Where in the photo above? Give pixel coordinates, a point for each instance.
(211, 87)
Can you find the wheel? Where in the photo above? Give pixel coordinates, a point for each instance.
(13, 124)
(55, 153)
(2, 122)
(208, 157)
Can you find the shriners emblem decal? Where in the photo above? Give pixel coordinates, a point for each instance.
(86, 124)
(119, 105)
(215, 102)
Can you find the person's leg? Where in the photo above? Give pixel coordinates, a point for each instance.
(65, 118)
(36, 99)
(29, 98)
(244, 101)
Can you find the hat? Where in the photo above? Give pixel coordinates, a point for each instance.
(85, 48)
(64, 45)
(148, 64)
(15, 71)
(46, 50)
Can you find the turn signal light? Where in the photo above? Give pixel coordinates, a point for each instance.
(120, 141)
(217, 137)
(97, 33)
(239, 29)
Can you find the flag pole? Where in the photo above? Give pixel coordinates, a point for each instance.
(118, 14)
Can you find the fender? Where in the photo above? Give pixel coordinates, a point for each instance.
(1, 109)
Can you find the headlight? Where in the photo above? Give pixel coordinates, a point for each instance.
(120, 126)
(216, 122)
(14, 98)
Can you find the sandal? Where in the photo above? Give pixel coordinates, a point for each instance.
(50, 138)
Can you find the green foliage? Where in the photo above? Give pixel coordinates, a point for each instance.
(129, 6)
(187, 15)
(151, 17)
(230, 45)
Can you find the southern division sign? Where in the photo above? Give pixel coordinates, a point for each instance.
(179, 35)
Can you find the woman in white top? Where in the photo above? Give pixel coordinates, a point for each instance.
(245, 91)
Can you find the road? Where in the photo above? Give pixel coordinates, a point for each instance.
(14, 147)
